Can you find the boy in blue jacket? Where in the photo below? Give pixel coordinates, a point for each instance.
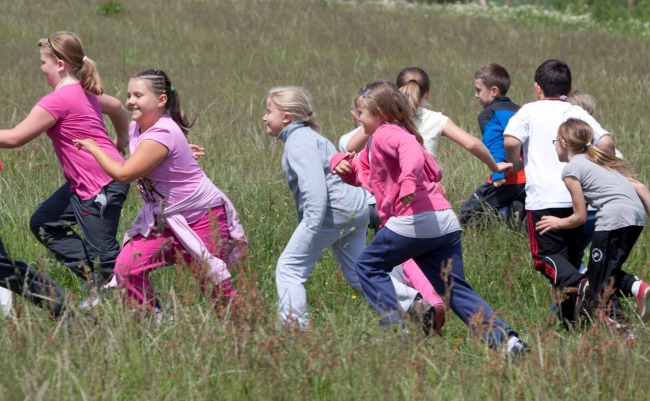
(503, 194)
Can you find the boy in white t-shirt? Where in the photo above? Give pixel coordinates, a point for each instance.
(531, 131)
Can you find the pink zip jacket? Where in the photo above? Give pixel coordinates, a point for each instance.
(395, 166)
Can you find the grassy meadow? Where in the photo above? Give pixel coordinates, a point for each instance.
(222, 57)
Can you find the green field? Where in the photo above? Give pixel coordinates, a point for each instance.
(222, 57)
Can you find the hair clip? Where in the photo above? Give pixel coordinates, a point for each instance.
(413, 80)
(309, 113)
(171, 88)
(364, 93)
(57, 54)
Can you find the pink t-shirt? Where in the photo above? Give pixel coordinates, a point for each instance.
(178, 176)
(78, 116)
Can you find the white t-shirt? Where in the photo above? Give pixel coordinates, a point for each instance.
(430, 125)
(536, 125)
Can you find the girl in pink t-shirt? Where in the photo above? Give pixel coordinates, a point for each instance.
(181, 205)
(89, 198)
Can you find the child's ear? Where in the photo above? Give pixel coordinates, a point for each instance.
(162, 100)
(286, 118)
(494, 92)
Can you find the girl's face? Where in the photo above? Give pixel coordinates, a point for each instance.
(561, 150)
(50, 67)
(275, 119)
(143, 104)
(370, 122)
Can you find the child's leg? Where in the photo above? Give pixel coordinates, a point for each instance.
(556, 255)
(405, 293)
(609, 250)
(466, 303)
(413, 275)
(139, 257)
(38, 287)
(471, 211)
(213, 230)
(298, 258)
(99, 219)
(50, 223)
(346, 250)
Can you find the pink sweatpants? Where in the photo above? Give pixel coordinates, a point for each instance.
(414, 277)
(140, 256)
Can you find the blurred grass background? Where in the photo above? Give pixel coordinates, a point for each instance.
(222, 57)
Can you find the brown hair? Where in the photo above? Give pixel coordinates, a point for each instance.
(578, 136)
(414, 83)
(160, 84)
(67, 46)
(494, 74)
(383, 99)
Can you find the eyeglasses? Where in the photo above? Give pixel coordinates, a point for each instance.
(555, 141)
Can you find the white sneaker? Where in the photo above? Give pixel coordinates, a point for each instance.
(6, 302)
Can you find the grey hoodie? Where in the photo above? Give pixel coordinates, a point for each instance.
(321, 198)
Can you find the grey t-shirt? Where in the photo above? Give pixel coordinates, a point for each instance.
(609, 192)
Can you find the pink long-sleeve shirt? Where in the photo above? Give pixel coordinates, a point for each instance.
(393, 166)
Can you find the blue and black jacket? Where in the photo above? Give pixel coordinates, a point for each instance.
(493, 121)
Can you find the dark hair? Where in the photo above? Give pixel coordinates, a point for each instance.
(160, 84)
(554, 78)
(414, 83)
(494, 74)
(383, 99)
(67, 46)
(578, 136)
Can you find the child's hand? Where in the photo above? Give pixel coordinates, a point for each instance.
(503, 167)
(548, 223)
(407, 199)
(498, 183)
(197, 151)
(89, 144)
(344, 166)
(122, 144)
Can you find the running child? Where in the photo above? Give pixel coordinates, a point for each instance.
(89, 198)
(504, 194)
(607, 184)
(330, 213)
(418, 221)
(181, 204)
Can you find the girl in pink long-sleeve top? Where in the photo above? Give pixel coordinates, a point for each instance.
(418, 222)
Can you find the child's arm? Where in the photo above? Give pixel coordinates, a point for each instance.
(513, 152)
(579, 216)
(37, 121)
(358, 141)
(146, 157)
(644, 194)
(119, 117)
(474, 146)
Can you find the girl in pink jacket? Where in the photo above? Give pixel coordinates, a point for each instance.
(418, 221)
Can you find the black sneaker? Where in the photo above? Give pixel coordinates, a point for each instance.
(430, 317)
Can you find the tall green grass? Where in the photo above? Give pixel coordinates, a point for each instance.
(222, 57)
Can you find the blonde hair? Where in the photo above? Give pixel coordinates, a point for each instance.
(295, 101)
(414, 83)
(583, 100)
(383, 99)
(67, 46)
(578, 136)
